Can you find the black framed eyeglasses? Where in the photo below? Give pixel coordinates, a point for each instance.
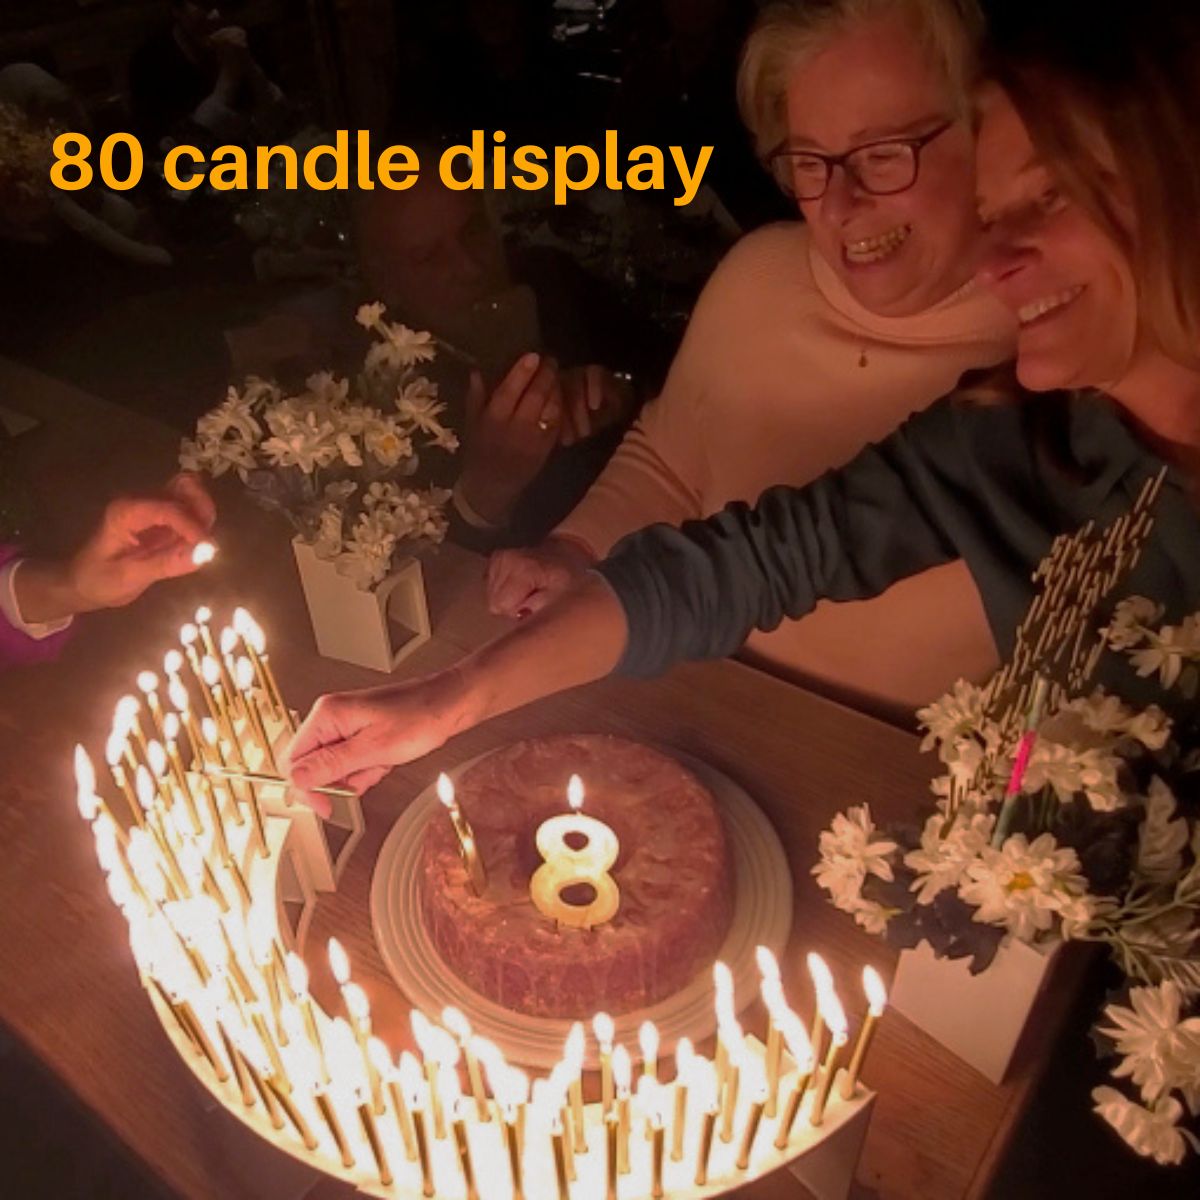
(880, 168)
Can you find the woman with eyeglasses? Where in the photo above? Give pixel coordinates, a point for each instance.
(814, 338)
(1089, 182)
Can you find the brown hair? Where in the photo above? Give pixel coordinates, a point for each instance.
(1110, 93)
(785, 31)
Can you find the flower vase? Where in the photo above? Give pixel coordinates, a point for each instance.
(980, 1018)
(377, 628)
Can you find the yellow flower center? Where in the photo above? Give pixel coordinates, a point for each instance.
(1020, 882)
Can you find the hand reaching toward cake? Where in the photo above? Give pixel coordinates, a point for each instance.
(355, 738)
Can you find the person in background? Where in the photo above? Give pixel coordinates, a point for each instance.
(199, 80)
(139, 541)
(814, 338)
(1087, 198)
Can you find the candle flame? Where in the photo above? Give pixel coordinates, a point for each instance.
(685, 1055)
(157, 758)
(243, 675)
(203, 615)
(114, 748)
(489, 1055)
(343, 1055)
(88, 804)
(126, 711)
(188, 634)
(603, 1027)
(210, 671)
(768, 965)
(648, 1040)
(445, 790)
(203, 553)
(249, 629)
(170, 726)
(876, 992)
(410, 1078)
(179, 696)
(147, 681)
(773, 998)
(172, 662)
(457, 1023)
(832, 1012)
(144, 786)
(85, 774)
(297, 973)
(381, 1060)
(229, 640)
(357, 1004)
(208, 730)
(573, 1049)
(575, 793)
(339, 963)
(821, 976)
(449, 1089)
(722, 981)
(621, 1068)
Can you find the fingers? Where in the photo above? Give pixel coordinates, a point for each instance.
(188, 488)
(542, 403)
(594, 378)
(133, 518)
(476, 398)
(576, 423)
(512, 387)
(510, 582)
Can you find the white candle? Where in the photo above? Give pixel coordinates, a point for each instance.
(468, 848)
(602, 1026)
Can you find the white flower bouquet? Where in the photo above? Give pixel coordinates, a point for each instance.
(1158, 1044)
(1096, 836)
(340, 459)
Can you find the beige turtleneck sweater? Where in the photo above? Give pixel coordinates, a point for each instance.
(782, 375)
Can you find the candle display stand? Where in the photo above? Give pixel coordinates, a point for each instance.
(762, 917)
(377, 628)
(207, 871)
(980, 1017)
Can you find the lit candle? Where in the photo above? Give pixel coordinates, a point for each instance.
(835, 1020)
(468, 848)
(127, 713)
(707, 1085)
(573, 1056)
(359, 1009)
(329, 1116)
(391, 1080)
(657, 1148)
(256, 647)
(147, 683)
(113, 751)
(822, 982)
(684, 1057)
(555, 1091)
(437, 1048)
(410, 1081)
(611, 1159)
(244, 677)
(648, 1042)
(297, 974)
(577, 850)
(558, 1145)
(757, 1090)
(514, 1152)
(876, 1002)
(622, 1071)
(735, 1043)
(463, 1143)
(772, 997)
(460, 1027)
(602, 1026)
(798, 1046)
(723, 1002)
(224, 717)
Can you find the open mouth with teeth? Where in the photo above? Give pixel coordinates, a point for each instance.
(875, 249)
(1046, 306)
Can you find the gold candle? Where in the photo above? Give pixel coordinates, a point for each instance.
(113, 752)
(648, 1043)
(514, 1152)
(418, 1115)
(463, 1143)
(822, 982)
(239, 1068)
(468, 848)
(147, 683)
(558, 1144)
(876, 1002)
(460, 1027)
(733, 1075)
(256, 647)
(758, 1102)
(621, 1071)
(293, 1114)
(297, 974)
(573, 1056)
(704, 1151)
(657, 1144)
(796, 1037)
(611, 1162)
(835, 1019)
(329, 1116)
(684, 1056)
(602, 1026)
(367, 1120)
(244, 678)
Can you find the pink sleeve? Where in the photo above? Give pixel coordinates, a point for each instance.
(17, 649)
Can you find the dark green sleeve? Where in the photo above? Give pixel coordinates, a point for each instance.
(900, 507)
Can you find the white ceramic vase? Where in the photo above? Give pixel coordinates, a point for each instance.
(980, 1017)
(378, 628)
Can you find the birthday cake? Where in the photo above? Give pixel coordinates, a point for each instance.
(673, 870)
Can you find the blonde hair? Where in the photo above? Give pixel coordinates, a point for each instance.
(789, 30)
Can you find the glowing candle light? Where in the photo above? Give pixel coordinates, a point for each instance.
(244, 677)
(756, 1087)
(734, 1039)
(558, 1145)
(203, 553)
(256, 647)
(224, 718)
(578, 850)
(876, 1002)
(437, 1048)
(113, 751)
(648, 1042)
(558, 1105)
(799, 1047)
(612, 1156)
(602, 1026)
(723, 1002)
(202, 619)
(462, 1143)
(460, 1027)
(381, 1061)
(573, 1056)
(835, 1021)
(468, 848)
(707, 1087)
(147, 683)
(822, 982)
(297, 974)
(684, 1058)
(657, 1146)
(514, 1152)
(410, 1081)
(622, 1071)
(772, 997)
(127, 713)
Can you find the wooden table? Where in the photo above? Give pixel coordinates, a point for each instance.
(67, 985)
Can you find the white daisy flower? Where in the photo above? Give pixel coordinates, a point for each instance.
(958, 712)
(1070, 770)
(1023, 885)
(386, 441)
(1131, 617)
(850, 851)
(328, 542)
(1160, 1050)
(941, 862)
(1151, 1132)
(369, 315)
